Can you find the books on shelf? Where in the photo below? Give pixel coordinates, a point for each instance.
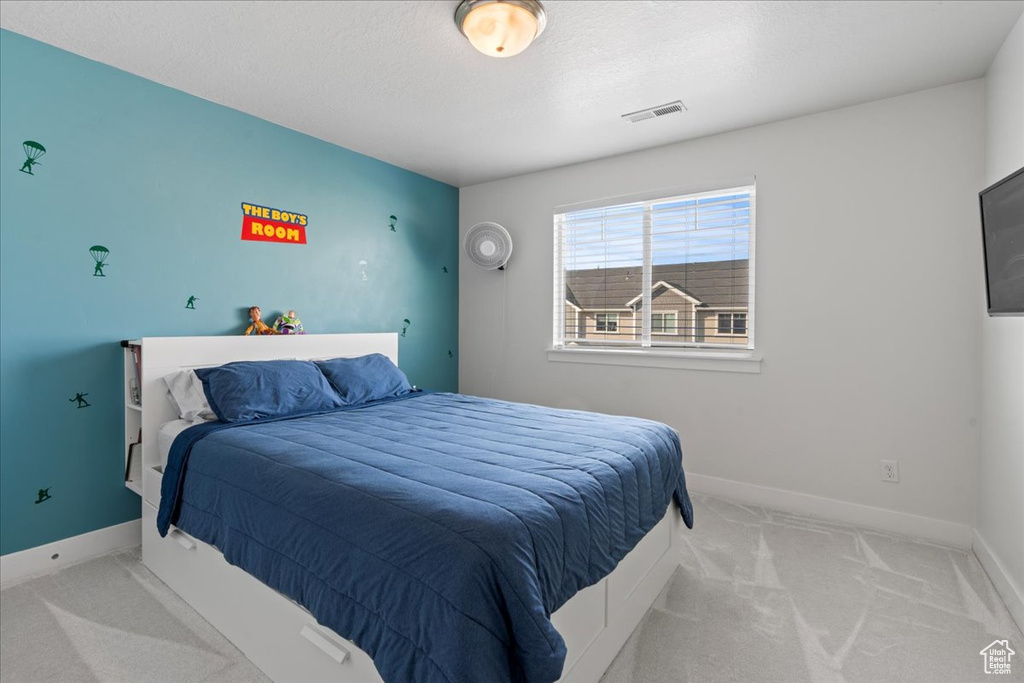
(135, 382)
(134, 452)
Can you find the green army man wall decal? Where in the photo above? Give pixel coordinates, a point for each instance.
(33, 150)
(99, 255)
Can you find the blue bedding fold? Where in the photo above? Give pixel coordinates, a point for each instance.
(436, 531)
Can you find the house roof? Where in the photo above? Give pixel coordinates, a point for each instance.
(1003, 645)
(661, 284)
(713, 284)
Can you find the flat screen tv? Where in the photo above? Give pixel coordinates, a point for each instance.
(1002, 228)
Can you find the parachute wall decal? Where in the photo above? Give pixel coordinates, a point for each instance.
(99, 255)
(33, 150)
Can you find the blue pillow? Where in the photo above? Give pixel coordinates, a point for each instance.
(366, 378)
(254, 390)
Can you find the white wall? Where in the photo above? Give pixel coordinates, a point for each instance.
(1000, 517)
(867, 303)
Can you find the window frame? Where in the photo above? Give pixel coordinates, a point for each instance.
(697, 350)
(607, 319)
(665, 332)
(719, 319)
(732, 323)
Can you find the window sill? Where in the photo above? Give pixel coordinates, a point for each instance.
(727, 361)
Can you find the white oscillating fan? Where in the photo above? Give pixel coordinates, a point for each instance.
(488, 245)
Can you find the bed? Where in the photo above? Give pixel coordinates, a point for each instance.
(450, 538)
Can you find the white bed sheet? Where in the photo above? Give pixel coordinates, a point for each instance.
(165, 437)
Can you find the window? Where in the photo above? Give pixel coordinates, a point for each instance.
(732, 323)
(663, 323)
(680, 269)
(607, 322)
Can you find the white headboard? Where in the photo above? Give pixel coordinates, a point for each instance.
(163, 355)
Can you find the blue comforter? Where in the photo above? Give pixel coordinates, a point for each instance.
(438, 531)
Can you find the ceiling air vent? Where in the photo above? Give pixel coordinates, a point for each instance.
(653, 112)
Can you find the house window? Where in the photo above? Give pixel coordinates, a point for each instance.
(732, 323)
(664, 323)
(690, 254)
(607, 322)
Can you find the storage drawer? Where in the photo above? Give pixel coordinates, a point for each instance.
(277, 635)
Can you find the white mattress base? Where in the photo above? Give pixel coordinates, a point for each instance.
(287, 644)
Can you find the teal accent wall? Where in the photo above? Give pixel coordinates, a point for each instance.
(157, 176)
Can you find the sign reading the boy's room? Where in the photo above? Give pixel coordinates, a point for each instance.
(264, 224)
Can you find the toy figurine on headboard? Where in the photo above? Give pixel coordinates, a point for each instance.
(288, 324)
(257, 325)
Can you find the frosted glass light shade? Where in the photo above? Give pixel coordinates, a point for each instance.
(500, 28)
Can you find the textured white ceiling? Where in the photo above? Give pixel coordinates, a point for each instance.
(397, 81)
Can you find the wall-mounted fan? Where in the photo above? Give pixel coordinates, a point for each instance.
(488, 245)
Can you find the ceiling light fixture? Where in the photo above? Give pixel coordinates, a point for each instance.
(500, 28)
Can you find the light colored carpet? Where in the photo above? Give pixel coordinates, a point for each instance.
(110, 620)
(770, 596)
(761, 596)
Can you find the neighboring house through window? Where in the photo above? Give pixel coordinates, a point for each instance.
(669, 272)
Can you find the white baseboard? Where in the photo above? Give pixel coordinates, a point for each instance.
(1006, 586)
(15, 566)
(941, 531)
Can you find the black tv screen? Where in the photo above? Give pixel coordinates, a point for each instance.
(1002, 227)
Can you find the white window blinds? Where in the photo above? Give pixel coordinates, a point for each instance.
(663, 272)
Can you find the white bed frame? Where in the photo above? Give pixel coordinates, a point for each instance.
(282, 638)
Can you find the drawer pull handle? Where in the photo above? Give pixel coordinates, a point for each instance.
(183, 540)
(325, 642)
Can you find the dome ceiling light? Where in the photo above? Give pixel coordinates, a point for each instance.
(500, 28)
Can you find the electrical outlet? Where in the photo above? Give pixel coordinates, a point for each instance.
(891, 471)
